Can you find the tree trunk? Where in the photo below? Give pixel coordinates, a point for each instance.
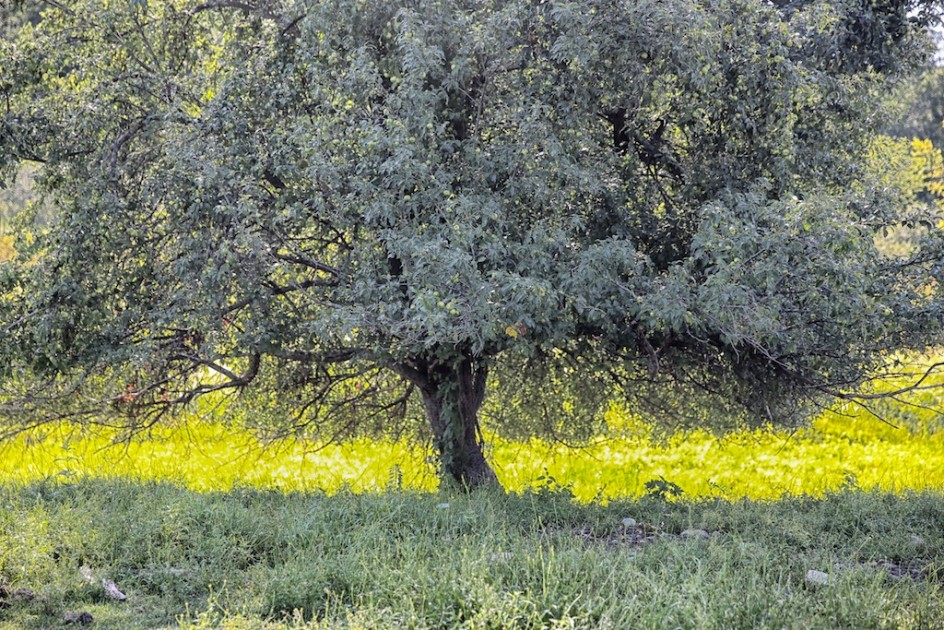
(452, 395)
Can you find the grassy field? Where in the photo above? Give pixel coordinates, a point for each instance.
(836, 451)
(280, 539)
(203, 527)
(266, 559)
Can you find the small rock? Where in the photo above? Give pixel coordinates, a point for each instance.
(442, 506)
(696, 533)
(500, 555)
(918, 540)
(23, 594)
(111, 589)
(817, 577)
(629, 522)
(82, 618)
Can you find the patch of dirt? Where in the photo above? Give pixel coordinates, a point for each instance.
(81, 618)
(917, 570)
(8, 596)
(634, 537)
(914, 569)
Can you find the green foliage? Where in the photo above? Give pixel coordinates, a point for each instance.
(15, 13)
(19, 200)
(663, 489)
(412, 195)
(251, 559)
(923, 105)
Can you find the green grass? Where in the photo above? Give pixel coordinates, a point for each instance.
(263, 559)
(203, 528)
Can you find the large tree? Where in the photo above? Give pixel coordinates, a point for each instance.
(347, 205)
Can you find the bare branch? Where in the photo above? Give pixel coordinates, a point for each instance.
(904, 390)
(122, 140)
(308, 262)
(411, 374)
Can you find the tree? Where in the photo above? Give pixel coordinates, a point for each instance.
(349, 206)
(924, 108)
(15, 13)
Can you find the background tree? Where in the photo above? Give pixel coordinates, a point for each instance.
(353, 208)
(15, 13)
(924, 113)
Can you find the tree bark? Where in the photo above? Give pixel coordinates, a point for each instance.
(453, 392)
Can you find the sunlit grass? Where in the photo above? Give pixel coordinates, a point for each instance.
(760, 464)
(208, 456)
(848, 446)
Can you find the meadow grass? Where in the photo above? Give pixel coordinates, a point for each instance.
(202, 529)
(204, 526)
(265, 559)
(203, 454)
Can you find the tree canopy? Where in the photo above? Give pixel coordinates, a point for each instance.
(924, 114)
(354, 207)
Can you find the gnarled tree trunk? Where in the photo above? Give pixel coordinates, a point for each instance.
(453, 392)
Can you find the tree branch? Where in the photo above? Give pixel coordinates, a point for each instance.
(308, 262)
(904, 390)
(289, 27)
